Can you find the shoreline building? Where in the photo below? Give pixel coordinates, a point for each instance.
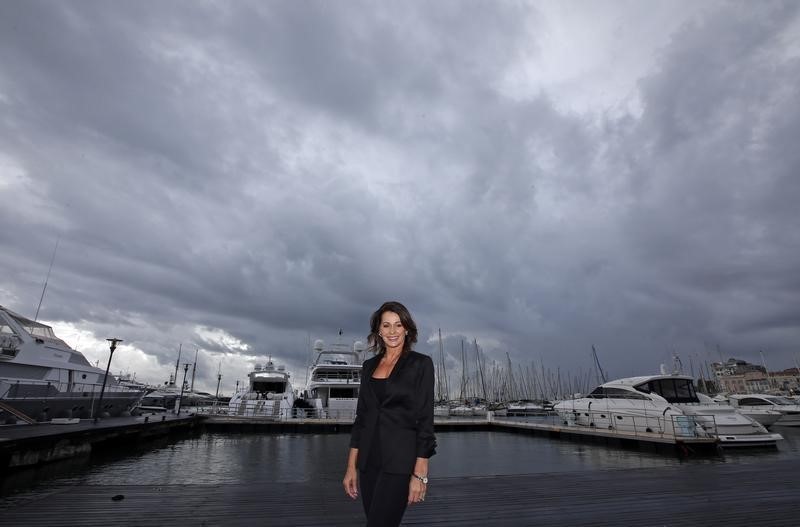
(740, 376)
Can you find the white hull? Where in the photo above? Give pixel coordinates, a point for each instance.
(788, 410)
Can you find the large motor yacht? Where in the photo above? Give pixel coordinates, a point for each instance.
(788, 408)
(269, 394)
(335, 379)
(42, 378)
(665, 404)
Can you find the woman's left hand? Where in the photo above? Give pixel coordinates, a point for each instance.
(416, 490)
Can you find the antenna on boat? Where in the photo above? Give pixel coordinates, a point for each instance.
(47, 278)
(600, 373)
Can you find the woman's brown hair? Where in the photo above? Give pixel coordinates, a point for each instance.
(375, 341)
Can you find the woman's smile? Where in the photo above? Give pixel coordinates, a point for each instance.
(392, 331)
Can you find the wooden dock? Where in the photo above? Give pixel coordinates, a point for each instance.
(763, 494)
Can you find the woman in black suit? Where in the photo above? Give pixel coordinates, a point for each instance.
(392, 435)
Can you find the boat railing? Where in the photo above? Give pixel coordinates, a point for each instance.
(269, 412)
(648, 424)
(346, 376)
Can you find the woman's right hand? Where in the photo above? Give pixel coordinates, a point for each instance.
(350, 482)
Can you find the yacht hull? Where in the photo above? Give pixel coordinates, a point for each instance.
(789, 419)
(69, 406)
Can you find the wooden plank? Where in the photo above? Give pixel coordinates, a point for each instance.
(687, 495)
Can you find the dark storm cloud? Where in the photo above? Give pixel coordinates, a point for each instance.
(276, 170)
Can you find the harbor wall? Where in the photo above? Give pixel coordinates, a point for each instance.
(28, 445)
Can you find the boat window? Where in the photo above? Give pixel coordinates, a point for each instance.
(614, 393)
(752, 401)
(619, 393)
(674, 390)
(644, 388)
(343, 393)
(598, 393)
(36, 329)
(781, 401)
(267, 387)
(5, 329)
(684, 390)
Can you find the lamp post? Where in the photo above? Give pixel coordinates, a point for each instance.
(183, 384)
(113, 346)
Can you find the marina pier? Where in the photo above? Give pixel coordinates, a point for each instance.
(26, 445)
(549, 426)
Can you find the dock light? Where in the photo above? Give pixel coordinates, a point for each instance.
(113, 346)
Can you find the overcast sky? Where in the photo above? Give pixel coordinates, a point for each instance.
(241, 177)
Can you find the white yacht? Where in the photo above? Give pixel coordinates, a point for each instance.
(335, 379)
(788, 408)
(269, 394)
(469, 408)
(165, 397)
(42, 378)
(527, 407)
(664, 404)
(759, 414)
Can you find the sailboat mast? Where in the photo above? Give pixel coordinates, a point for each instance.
(480, 369)
(766, 370)
(177, 364)
(194, 368)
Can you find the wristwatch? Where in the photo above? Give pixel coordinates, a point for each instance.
(423, 479)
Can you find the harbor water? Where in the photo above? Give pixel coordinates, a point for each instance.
(251, 459)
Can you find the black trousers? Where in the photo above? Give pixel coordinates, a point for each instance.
(384, 496)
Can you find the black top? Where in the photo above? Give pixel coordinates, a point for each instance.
(379, 387)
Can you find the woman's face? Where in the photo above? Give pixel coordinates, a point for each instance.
(392, 331)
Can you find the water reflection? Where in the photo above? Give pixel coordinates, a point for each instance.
(254, 458)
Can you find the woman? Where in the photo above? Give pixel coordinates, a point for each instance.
(392, 435)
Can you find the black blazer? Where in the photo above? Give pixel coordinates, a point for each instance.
(405, 418)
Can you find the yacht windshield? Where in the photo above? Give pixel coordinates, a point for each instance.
(36, 329)
(673, 390)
